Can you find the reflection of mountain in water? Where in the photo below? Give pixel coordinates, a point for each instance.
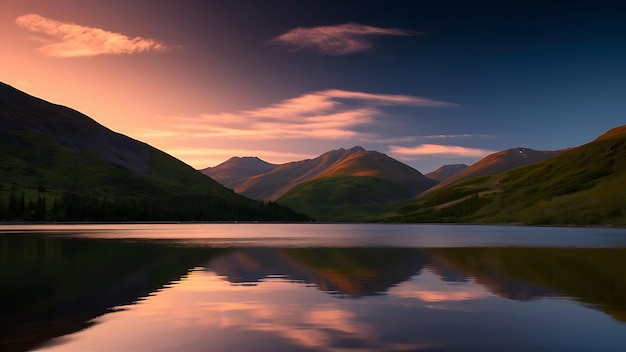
(358, 272)
(52, 286)
(345, 271)
(593, 276)
(497, 283)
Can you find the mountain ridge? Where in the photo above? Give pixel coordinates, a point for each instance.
(580, 186)
(269, 186)
(496, 163)
(445, 172)
(237, 170)
(339, 185)
(59, 164)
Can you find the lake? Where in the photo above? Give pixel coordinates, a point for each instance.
(311, 287)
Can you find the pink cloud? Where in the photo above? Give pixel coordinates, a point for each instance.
(331, 116)
(437, 149)
(329, 100)
(76, 40)
(319, 115)
(336, 40)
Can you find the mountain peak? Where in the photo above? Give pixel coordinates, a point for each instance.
(248, 160)
(234, 170)
(356, 148)
(445, 172)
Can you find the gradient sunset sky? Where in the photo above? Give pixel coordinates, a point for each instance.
(426, 82)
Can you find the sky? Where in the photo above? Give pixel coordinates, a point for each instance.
(426, 82)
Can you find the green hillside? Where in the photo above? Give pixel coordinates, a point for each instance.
(344, 198)
(58, 164)
(582, 186)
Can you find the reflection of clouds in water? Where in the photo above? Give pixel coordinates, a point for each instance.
(203, 308)
(428, 287)
(319, 325)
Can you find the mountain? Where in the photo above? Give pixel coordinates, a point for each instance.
(236, 170)
(359, 187)
(342, 184)
(445, 172)
(273, 184)
(497, 163)
(58, 164)
(355, 161)
(580, 186)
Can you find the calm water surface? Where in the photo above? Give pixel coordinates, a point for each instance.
(313, 287)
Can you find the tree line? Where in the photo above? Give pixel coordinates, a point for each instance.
(76, 207)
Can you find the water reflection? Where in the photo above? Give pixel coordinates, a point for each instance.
(52, 286)
(111, 294)
(346, 272)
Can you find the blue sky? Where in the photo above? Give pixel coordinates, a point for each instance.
(428, 83)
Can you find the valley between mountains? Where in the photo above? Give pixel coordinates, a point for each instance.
(57, 164)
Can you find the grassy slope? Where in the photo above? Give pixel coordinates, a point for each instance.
(43, 144)
(343, 198)
(582, 186)
(30, 160)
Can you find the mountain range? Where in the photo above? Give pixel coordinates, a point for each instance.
(340, 185)
(58, 164)
(580, 186)
(494, 164)
(354, 184)
(520, 185)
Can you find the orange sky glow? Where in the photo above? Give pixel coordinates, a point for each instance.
(205, 83)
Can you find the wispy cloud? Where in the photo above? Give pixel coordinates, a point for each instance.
(334, 117)
(336, 40)
(417, 139)
(438, 150)
(328, 114)
(74, 40)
